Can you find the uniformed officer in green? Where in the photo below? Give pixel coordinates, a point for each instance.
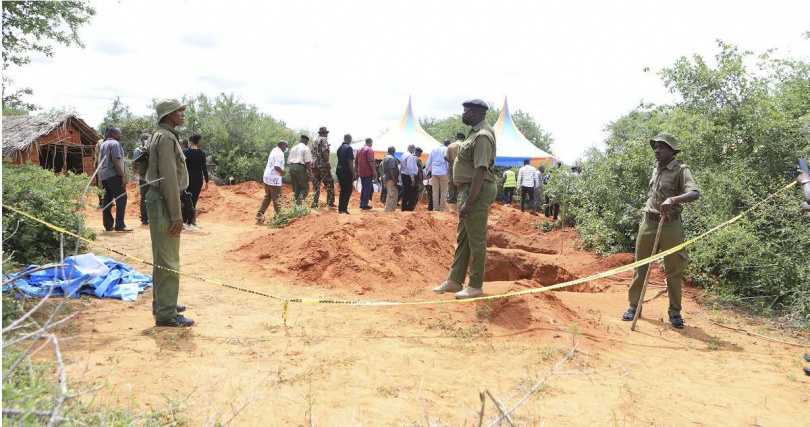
(168, 176)
(474, 177)
(671, 185)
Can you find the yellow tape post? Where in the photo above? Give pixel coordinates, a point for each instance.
(597, 276)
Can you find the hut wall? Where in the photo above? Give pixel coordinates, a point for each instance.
(55, 144)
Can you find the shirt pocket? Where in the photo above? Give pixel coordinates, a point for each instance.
(668, 186)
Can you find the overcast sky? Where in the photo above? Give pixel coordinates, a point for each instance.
(574, 66)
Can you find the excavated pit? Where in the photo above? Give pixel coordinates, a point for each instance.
(514, 265)
(505, 240)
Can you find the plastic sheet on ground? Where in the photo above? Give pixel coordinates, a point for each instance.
(91, 274)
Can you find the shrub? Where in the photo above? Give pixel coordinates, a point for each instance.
(741, 132)
(50, 197)
(287, 213)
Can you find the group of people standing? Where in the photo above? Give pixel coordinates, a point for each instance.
(400, 179)
(531, 182)
(112, 179)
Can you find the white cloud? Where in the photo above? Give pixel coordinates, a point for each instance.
(351, 66)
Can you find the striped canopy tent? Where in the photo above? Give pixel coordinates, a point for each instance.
(512, 147)
(407, 132)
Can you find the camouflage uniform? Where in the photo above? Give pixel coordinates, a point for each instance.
(322, 172)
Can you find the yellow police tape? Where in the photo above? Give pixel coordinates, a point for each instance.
(285, 308)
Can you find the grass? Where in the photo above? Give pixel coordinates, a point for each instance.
(484, 311)
(287, 214)
(388, 391)
(32, 389)
(470, 332)
(714, 343)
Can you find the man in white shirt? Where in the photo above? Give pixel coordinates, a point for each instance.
(272, 180)
(409, 185)
(526, 181)
(439, 180)
(300, 169)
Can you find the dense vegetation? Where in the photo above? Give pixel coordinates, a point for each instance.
(237, 134)
(742, 121)
(50, 197)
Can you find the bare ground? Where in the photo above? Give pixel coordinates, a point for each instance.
(345, 365)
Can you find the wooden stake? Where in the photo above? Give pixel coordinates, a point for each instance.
(647, 277)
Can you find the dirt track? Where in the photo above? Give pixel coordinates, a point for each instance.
(339, 365)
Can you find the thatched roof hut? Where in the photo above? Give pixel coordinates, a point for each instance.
(60, 142)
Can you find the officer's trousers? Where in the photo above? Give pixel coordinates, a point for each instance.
(300, 182)
(323, 175)
(674, 265)
(165, 253)
(471, 236)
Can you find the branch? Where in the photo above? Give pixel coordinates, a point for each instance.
(30, 272)
(39, 332)
(21, 413)
(14, 232)
(536, 385)
(504, 412)
(753, 334)
(60, 402)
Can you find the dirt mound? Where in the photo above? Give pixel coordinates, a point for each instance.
(359, 251)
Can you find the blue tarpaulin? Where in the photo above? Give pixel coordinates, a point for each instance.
(93, 275)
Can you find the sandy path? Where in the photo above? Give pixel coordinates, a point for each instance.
(338, 365)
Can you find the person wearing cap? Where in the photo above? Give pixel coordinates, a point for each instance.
(140, 148)
(671, 185)
(168, 176)
(450, 157)
(273, 173)
(300, 169)
(321, 169)
(474, 176)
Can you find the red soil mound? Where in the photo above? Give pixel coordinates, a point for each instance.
(357, 251)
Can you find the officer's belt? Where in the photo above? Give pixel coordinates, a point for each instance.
(657, 217)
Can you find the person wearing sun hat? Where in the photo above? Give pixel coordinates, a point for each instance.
(671, 185)
(168, 176)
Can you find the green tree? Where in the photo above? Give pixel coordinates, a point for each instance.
(448, 127)
(35, 26)
(741, 130)
(132, 126)
(238, 134)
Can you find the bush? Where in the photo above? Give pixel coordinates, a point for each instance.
(50, 197)
(741, 132)
(288, 213)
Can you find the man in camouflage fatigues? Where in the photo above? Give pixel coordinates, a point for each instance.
(321, 169)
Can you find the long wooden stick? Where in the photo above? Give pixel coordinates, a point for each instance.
(647, 277)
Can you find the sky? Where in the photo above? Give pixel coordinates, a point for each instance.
(574, 66)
